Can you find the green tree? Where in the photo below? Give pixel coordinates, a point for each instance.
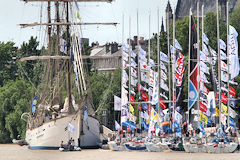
(7, 62)
(16, 99)
(30, 70)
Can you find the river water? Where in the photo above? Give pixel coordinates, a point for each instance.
(15, 152)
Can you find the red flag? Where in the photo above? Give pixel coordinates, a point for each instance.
(162, 104)
(203, 108)
(144, 96)
(224, 98)
(141, 88)
(132, 100)
(232, 91)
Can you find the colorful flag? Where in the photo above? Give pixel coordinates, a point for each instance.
(232, 113)
(154, 115)
(164, 86)
(194, 67)
(163, 75)
(204, 67)
(224, 109)
(133, 63)
(117, 103)
(163, 57)
(133, 72)
(85, 112)
(133, 81)
(177, 45)
(151, 63)
(144, 67)
(223, 55)
(131, 109)
(163, 66)
(222, 44)
(224, 98)
(231, 122)
(133, 54)
(141, 88)
(201, 128)
(132, 100)
(205, 38)
(162, 104)
(203, 88)
(233, 52)
(144, 96)
(124, 113)
(117, 126)
(203, 57)
(71, 127)
(224, 66)
(203, 118)
(144, 77)
(224, 76)
(205, 50)
(203, 107)
(232, 91)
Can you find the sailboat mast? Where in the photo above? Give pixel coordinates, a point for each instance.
(140, 121)
(68, 61)
(149, 48)
(129, 59)
(228, 59)
(219, 69)
(58, 53)
(169, 74)
(198, 60)
(202, 33)
(173, 70)
(158, 56)
(189, 52)
(50, 51)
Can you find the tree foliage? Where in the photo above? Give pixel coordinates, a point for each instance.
(16, 99)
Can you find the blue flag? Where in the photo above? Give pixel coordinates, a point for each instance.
(34, 105)
(85, 112)
(202, 130)
(129, 124)
(231, 122)
(145, 126)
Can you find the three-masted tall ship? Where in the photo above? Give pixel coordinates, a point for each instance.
(51, 121)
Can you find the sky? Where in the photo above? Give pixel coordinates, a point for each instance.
(14, 12)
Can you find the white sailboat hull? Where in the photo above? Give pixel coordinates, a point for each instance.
(222, 148)
(50, 134)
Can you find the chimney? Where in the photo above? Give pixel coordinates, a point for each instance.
(114, 47)
(107, 46)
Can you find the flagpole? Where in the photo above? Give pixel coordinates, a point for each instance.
(198, 59)
(228, 57)
(129, 59)
(189, 52)
(122, 63)
(149, 50)
(158, 59)
(140, 121)
(169, 74)
(202, 36)
(173, 70)
(219, 69)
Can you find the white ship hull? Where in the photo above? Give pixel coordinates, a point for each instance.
(50, 134)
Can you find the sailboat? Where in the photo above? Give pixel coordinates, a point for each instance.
(222, 142)
(50, 122)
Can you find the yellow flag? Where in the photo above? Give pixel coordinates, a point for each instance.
(131, 109)
(154, 115)
(203, 118)
(224, 109)
(217, 112)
